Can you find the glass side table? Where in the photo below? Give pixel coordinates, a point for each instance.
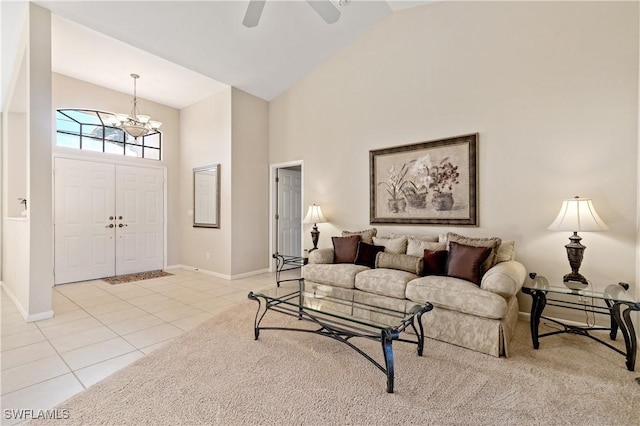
(614, 296)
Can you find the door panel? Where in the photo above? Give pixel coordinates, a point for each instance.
(140, 202)
(289, 212)
(84, 200)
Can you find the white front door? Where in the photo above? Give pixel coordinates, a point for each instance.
(108, 220)
(289, 213)
(140, 219)
(84, 220)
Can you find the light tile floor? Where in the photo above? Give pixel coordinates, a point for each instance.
(100, 328)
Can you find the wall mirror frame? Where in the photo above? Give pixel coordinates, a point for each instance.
(206, 196)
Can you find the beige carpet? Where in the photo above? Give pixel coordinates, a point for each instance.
(218, 375)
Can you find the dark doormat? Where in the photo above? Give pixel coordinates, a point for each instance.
(121, 279)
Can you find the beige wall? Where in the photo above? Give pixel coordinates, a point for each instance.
(72, 93)
(551, 88)
(250, 180)
(229, 128)
(206, 139)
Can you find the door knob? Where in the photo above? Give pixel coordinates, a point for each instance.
(120, 217)
(111, 217)
(109, 225)
(121, 225)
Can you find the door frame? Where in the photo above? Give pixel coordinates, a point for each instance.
(114, 161)
(273, 204)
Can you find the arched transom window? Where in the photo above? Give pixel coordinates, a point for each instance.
(92, 131)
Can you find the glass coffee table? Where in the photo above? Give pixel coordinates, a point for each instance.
(339, 317)
(618, 305)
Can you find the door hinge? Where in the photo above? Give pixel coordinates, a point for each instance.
(277, 217)
(277, 179)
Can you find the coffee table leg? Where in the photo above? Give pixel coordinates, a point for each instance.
(256, 321)
(387, 337)
(420, 334)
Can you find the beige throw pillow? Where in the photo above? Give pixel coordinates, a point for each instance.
(416, 247)
(401, 262)
(493, 243)
(366, 236)
(506, 251)
(392, 245)
(432, 238)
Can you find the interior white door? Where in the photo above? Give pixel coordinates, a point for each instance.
(140, 219)
(289, 219)
(84, 225)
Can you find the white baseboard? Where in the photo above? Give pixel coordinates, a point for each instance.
(39, 317)
(23, 312)
(217, 274)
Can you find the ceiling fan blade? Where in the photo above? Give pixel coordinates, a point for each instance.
(326, 10)
(253, 13)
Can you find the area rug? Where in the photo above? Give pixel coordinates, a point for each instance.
(218, 374)
(121, 279)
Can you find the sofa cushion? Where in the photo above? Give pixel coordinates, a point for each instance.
(392, 245)
(401, 262)
(387, 282)
(457, 295)
(416, 247)
(365, 235)
(339, 275)
(434, 262)
(345, 248)
(494, 243)
(366, 254)
(465, 262)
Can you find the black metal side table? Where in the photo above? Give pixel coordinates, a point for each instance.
(614, 296)
(286, 263)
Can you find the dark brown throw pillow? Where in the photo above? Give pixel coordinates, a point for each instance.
(345, 248)
(366, 254)
(435, 262)
(465, 262)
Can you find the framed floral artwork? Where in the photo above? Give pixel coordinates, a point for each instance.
(428, 183)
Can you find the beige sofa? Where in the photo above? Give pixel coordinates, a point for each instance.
(479, 316)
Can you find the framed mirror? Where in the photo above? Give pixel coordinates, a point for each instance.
(206, 196)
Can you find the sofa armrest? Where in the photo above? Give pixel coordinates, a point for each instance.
(323, 255)
(505, 278)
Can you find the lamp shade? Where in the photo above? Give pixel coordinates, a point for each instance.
(578, 214)
(314, 215)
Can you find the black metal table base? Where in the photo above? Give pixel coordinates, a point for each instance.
(619, 320)
(341, 332)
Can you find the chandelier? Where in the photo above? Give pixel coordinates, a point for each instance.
(135, 124)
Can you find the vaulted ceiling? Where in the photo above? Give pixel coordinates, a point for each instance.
(187, 50)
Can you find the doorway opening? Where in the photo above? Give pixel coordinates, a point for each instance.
(286, 210)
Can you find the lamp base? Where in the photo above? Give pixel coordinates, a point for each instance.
(315, 234)
(576, 278)
(575, 253)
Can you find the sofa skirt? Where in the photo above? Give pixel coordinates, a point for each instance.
(489, 336)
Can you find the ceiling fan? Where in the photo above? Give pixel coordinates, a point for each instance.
(324, 8)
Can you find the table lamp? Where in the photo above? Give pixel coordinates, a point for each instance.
(314, 215)
(577, 214)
